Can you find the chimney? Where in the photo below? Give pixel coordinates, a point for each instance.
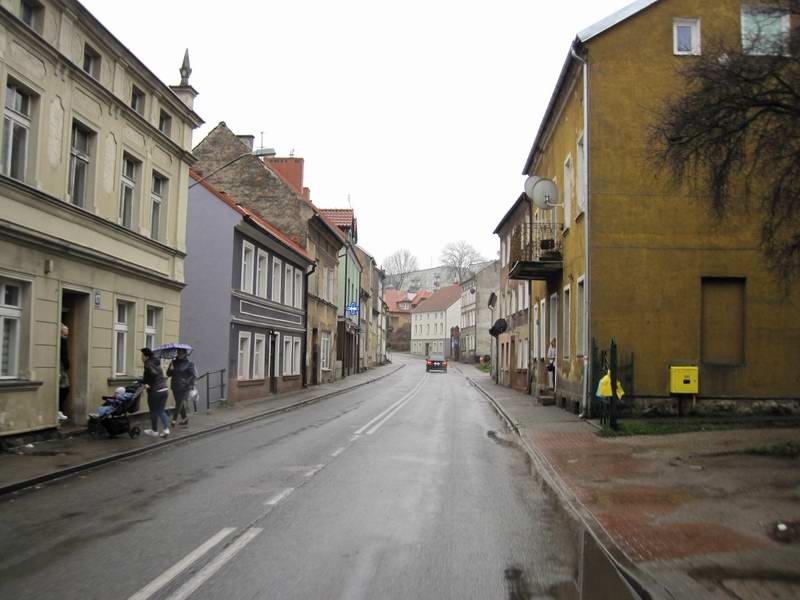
(307, 194)
(247, 140)
(291, 169)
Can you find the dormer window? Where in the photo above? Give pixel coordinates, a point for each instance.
(30, 12)
(686, 37)
(137, 100)
(91, 61)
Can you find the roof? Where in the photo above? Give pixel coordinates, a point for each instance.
(440, 300)
(583, 36)
(258, 221)
(420, 296)
(393, 297)
(341, 217)
(523, 197)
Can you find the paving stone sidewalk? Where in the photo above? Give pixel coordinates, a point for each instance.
(43, 461)
(689, 512)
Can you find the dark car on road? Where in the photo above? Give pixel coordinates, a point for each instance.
(436, 362)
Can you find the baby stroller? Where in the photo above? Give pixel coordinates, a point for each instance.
(116, 421)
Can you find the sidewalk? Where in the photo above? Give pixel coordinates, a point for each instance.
(685, 514)
(45, 461)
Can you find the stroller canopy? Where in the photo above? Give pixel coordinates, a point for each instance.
(169, 351)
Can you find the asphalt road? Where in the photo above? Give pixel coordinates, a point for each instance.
(406, 489)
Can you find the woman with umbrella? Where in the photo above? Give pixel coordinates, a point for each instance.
(183, 374)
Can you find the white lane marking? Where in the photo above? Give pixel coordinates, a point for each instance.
(338, 451)
(361, 430)
(162, 580)
(204, 574)
(278, 497)
(354, 438)
(314, 471)
(410, 396)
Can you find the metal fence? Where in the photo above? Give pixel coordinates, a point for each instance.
(211, 389)
(539, 241)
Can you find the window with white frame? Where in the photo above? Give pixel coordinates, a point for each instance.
(16, 130)
(287, 355)
(151, 322)
(296, 355)
(10, 328)
(127, 200)
(80, 162)
(567, 336)
(580, 319)
(243, 356)
(567, 191)
(288, 294)
(276, 280)
(298, 288)
(686, 37)
(123, 324)
(580, 177)
(248, 258)
(259, 355)
(262, 266)
(158, 196)
(325, 351)
(765, 30)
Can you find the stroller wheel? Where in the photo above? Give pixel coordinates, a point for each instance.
(134, 432)
(95, 429)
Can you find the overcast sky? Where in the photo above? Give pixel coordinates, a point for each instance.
(422, 112)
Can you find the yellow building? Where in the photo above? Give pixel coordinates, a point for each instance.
(674, 284)
(93, 187)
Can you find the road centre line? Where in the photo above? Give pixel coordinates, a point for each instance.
(279, 496)
(408, 399)
(162, 580)
(392, 407)
(204, 574)
(314, 471)
(338, 451)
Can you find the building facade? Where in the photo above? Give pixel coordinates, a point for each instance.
(476, 315)
(245, 298)
(399, 305)
(433, 320)
(93, 181)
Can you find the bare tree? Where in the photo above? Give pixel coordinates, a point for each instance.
(398, 265)
(459, 258)
(735, 132)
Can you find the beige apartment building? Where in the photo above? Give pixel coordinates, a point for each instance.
(94, 168)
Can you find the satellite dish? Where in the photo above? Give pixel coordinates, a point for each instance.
(545, 194)
(529, 183)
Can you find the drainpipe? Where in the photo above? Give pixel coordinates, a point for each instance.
(304, 364)
(587, 288)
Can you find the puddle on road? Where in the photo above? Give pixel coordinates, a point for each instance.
(492, 435)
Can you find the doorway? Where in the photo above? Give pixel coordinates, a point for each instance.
(273, 380)
(73, 355)
(314, 358)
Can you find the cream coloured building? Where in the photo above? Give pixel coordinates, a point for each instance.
(433, 320)
(94, 160)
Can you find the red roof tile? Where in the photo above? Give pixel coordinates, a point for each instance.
(440, 300)
(343, 217)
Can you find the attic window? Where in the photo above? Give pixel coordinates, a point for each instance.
(686, 37)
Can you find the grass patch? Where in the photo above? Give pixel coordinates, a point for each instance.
(486, 367)
(784, 450)
(629, 427)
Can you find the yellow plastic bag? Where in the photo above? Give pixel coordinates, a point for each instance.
(604, 387)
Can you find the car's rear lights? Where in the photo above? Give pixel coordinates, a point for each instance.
(444, 364)
(429, 362)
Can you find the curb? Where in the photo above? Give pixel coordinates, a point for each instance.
(591, 525)
(20, 485)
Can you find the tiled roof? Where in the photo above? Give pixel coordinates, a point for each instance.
(420, 296)
(393, 297)
(259, 221)
(440, 300)
(342, 217)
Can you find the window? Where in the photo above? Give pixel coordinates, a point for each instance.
(91, 61)
(151, 321)
(30, 12)
(276, 280)
(259, 355)
(287, 356)
(165, 123)
(297, 356)
(298, 288)
(157, 197)
(16, 130)
(243, 364)
(332, 285)
(566, 329)
(765, 30)
(288, 297)
(80, 162)
(137, 100)
(723, 320)
(262, 265)
(127, 200)
(325, 351)
(276, 369)
(567, 192)
(10, 327)
(580, 177)
(580, 319)
(123, 322)
(248, 256)
(686, 37)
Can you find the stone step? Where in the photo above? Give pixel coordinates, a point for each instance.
(547, 400)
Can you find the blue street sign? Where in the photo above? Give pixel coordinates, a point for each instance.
(352, 309)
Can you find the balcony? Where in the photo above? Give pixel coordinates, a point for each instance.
(536, 251)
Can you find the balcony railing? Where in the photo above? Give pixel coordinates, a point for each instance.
(536, 250)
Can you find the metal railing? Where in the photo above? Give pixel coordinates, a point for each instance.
(209, 388)
(539, 241)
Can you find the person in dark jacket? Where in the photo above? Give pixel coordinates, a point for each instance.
(183, 374)
(157, 393)
(63, 374)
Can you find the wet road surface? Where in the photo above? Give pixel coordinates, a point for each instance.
(406, 489)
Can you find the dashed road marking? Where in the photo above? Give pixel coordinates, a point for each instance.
(279, 496)
(338, 451)
(314, 471)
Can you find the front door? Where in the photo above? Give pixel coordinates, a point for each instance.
(314, 358)
(273, 379)
(74, 357)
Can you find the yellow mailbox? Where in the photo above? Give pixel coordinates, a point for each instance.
(684, 380)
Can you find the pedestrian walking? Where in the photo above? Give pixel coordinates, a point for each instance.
(183, 375)
(157, 393)
(63, 373)
(551, 363)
